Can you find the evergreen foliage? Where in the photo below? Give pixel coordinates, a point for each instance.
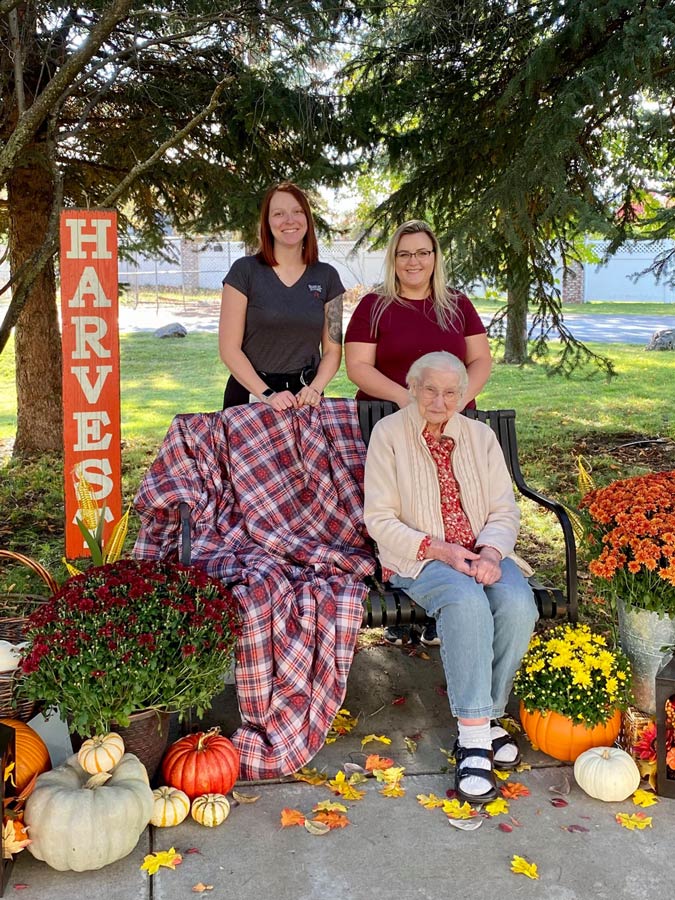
(504, 120)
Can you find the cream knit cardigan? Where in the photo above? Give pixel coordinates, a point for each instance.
(402, 500)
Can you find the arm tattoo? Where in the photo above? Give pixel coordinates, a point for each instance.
(334, 317)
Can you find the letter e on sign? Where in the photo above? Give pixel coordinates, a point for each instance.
(91, 366)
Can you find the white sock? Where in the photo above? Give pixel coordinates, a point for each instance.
(477, 736)
(508, 752)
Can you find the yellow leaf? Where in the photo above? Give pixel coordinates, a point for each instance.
(390, 775)
(245, 798)
(522, 867)
(410, 745)
(644, 798)
(9, 774)
(430, 801)
(647, 770)
(311, 776)
(339, 785)
(358, 778)
(456, 810)
(374, 737)
(329, 806)
(316, 828)
(168, 858)
(502, 776)
(343, 723)
(497, 807)
(290, 817)
(637, 820)
(393, 790)
(523, 766)
(449, 756)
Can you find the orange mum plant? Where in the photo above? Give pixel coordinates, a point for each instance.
(632, 530)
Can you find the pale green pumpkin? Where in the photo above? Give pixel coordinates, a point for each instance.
(80, 821)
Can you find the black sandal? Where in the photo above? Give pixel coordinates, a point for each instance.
(504, 741)
(463, 771)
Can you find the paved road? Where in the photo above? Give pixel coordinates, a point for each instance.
(605, 329)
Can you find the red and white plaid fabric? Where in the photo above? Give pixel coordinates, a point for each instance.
(277, 509)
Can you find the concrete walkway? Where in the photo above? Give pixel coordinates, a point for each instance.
(393, 848)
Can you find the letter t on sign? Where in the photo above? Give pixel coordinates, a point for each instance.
(91, 392)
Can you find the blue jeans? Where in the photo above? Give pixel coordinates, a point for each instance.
(484, 632)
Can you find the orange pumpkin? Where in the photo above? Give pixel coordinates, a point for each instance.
(564, 739)
(32, 756)
(202, 763)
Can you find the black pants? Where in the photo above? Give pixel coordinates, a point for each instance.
(236, 394)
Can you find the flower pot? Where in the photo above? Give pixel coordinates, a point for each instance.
(146, 736)
(642, 634)
(564, 739)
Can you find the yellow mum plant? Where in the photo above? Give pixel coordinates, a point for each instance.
(571, 671)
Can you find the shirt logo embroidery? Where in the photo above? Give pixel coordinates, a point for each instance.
(316, 290)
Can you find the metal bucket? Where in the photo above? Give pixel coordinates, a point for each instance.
(642, 634)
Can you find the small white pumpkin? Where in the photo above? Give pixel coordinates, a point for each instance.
(170, 808)
(101, 753)
(210, 809)
(607, 773)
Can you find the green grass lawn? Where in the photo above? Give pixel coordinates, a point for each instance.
(558, 419)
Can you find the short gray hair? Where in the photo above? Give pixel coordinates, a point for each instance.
(439, 361)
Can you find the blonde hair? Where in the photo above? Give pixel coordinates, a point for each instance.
(443, 298)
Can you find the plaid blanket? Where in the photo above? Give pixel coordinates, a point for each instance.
(277, 507)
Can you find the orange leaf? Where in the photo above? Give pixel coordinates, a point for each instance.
(377, 762)
(332, 819)
(291, 817)
(512, 790)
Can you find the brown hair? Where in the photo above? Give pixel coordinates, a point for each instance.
(310, 248)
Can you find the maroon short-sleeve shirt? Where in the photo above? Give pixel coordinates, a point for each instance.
(408, 330)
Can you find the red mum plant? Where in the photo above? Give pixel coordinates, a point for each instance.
(632, 527)
(127, 636)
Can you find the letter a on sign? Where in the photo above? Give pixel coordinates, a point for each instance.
(91, 369)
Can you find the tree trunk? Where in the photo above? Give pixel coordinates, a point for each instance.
(518, 291)
(37, 337)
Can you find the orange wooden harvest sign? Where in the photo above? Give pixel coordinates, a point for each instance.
(91, 367)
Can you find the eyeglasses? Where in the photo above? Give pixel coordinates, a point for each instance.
(405, 255)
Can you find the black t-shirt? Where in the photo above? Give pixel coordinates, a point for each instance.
(283, 324)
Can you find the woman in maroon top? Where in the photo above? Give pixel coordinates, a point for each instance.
(412, 313)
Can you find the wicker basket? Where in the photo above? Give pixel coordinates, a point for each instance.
(633, 722)
(14, 612)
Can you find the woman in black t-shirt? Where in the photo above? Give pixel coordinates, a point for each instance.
(280, 332)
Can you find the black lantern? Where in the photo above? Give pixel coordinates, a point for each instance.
(7, 757)
(665, 707)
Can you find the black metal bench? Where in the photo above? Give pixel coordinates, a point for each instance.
(387, 606)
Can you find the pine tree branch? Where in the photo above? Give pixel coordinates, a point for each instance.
(35, 115)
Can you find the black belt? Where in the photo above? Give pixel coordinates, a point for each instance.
(289, 381)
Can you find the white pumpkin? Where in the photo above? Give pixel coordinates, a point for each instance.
(171, 806)
(607, 773)
(10, 654)
(81, 822)
(210, 809)
(101, 753)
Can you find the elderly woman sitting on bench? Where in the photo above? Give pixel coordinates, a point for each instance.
(440, 506)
